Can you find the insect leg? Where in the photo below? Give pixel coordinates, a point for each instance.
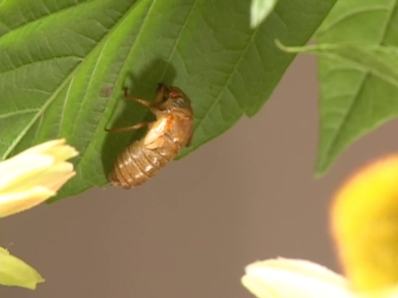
(141, 101)
(128, 128)
(160, 93)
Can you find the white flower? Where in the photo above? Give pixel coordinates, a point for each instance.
(34, 175)
(290, 278)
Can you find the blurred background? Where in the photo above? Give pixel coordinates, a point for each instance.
(189, 232)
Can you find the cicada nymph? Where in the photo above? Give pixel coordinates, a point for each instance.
(166, 136)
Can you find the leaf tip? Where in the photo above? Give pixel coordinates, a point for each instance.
(321, 167)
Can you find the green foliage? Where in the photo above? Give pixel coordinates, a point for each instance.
(357, 97)
(63, 65)
(14, 272)
(379, 61)
(260, 10)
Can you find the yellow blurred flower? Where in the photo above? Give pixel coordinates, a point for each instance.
(364, 221)
(34, 175)
(365, 225)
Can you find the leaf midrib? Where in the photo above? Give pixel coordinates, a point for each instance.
(83, 151)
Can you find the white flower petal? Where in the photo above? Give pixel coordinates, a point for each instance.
(23, 167)
(44, 148)
(20, 201)
(34, 175)
(288, 278)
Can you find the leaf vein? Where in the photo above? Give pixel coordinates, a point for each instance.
(178, 39)
(349, 15)
(234, 69)
(41, 18)
(20, 112)
(16, 68)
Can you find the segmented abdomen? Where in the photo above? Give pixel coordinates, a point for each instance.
(139, 162)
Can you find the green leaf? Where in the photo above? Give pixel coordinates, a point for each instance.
(380, 61)
(64, 63)
(260, 10)
(356, 100)
(15, 272)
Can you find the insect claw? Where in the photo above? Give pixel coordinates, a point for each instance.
(126, 91)
(160, 86)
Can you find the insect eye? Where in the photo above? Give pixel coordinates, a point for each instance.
(174, 94)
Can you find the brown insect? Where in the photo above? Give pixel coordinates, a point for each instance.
(166, 136)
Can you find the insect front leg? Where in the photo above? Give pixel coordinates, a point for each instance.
(128, 128)
(160, 93)
(141, 101)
